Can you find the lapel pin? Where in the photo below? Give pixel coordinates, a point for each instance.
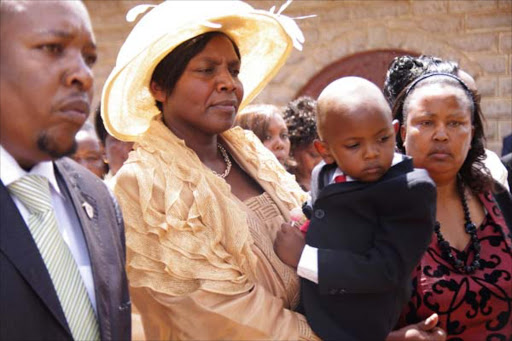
(88, 209)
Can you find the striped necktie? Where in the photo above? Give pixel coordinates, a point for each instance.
(34, 192)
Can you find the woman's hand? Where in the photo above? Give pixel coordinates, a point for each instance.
(289, 244)
(422, 331)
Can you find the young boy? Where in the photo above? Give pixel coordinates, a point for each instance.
(372, 218)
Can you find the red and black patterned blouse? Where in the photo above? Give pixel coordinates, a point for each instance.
(475, 306)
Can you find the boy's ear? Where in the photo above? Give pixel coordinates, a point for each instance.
(396, 126)
(158, 93)
(323, 149)
(403, 133)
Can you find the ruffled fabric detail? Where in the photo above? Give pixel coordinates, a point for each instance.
(182, 231)
(267, 169)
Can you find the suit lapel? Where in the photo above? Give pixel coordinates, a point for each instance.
(19, 247)
(87, 213)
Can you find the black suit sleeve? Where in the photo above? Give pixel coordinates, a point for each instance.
(120, 221)
(406, 226)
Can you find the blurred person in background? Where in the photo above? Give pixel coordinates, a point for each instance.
(266, 121)
(507, 145)
(507, 162)
(506, 157)
(115, 151)
(89, 152)
(300, 118)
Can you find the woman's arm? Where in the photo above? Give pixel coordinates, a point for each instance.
(201, 315)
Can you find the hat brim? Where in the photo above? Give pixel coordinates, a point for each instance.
(127, 105)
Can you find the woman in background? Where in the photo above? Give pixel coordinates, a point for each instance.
(266, 121)
(90, 152)
(116, 151)
(300, 118)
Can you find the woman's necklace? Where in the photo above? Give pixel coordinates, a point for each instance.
(470, 228)
(227, 161)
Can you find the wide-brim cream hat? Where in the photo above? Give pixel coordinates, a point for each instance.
(264, 38)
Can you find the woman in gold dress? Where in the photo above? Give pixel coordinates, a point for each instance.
(202, 201)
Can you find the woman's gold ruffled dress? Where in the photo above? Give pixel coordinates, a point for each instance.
(200, 262)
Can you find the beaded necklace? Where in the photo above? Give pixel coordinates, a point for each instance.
(446, 251)
(227, 161)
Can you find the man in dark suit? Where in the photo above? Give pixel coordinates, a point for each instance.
(507, 145)
(507, 162)
(62, 256)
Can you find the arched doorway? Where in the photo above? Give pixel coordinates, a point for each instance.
(371, 65)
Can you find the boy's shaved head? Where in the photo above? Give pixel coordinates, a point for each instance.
(10, 7)
(345, 95)
(355, 128)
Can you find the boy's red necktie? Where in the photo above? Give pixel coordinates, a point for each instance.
(340, 178)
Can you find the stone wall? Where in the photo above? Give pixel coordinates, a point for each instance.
(477, 34)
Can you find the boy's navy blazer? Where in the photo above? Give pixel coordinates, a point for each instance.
(369, 236)
(29, 307)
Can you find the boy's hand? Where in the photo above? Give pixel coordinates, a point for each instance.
(289, 244)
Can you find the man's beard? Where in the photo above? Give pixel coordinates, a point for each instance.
(46, 145)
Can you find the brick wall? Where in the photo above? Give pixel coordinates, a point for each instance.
(477, 34)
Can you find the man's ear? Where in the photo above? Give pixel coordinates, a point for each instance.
(158, 93)
(323, 149)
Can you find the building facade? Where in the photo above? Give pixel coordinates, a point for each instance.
(361, 38)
